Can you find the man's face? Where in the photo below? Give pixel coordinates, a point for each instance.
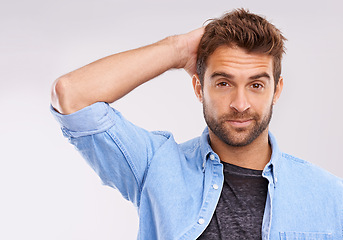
(237, 95)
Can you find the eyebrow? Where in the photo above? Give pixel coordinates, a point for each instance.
(222, 74)
(261, 75)
(230, 76)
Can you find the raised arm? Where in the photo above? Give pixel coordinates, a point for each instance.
(112, 77)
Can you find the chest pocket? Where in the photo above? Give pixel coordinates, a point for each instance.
(305, 236)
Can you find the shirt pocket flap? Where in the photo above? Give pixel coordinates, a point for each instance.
(305, 236)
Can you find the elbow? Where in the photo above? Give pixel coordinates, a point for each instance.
(60, 96)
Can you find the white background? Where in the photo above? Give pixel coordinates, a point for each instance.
(49, 192)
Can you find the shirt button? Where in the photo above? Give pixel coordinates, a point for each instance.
(215, 186)
(212, 157)
(201, 221)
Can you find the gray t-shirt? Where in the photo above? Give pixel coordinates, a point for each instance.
(240, 209)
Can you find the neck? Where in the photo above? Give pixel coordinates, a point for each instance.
(254, 156)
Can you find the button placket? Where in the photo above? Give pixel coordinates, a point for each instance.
(213, 191)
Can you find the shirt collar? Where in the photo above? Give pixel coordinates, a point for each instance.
(271, 169)
(274, 164)
(205, 147)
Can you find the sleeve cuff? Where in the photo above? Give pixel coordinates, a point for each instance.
(93, 119)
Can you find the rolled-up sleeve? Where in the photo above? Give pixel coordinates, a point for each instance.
(118, 151)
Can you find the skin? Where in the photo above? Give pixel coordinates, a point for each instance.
(238, 95)
(110, 78)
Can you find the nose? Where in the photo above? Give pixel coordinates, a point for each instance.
(239, 101)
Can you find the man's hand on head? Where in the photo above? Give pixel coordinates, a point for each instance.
(187, 48)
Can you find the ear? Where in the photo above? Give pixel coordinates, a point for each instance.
(197, 87)
(278, 90)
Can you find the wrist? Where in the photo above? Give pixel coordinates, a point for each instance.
(178, 51)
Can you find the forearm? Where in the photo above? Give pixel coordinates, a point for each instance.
(112, 77)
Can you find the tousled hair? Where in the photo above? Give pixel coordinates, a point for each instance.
(240, 28)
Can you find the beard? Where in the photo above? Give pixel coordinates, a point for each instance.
(237, 137)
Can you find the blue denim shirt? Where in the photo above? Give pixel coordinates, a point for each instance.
(176, 187)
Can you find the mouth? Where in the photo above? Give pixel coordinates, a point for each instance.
(240, 123)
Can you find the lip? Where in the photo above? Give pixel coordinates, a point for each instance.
(240, 123)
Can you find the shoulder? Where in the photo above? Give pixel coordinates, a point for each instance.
(190, 145)
(163, 134)
(191, 150)
(305, 170)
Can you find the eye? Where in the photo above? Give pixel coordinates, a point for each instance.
(257, 86)
(223, 84)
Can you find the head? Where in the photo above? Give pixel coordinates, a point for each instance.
(238, 76)
(245, 30)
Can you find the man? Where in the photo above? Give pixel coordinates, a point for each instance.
(232, 182)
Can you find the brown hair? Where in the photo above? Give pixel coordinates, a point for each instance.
(245, 30)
